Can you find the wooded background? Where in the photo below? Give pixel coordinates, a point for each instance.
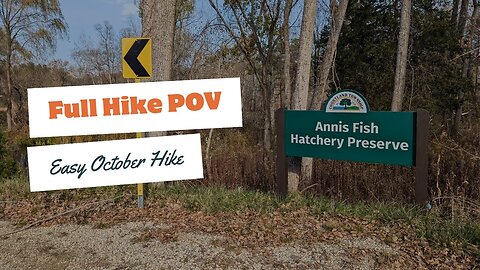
(401, 55)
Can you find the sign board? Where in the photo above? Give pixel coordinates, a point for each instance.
(346, 130)
(120, 162)
(134, 107)
(375, 137)
(136, 58)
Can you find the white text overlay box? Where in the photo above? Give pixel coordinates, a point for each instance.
(134, 107)
(121, 162)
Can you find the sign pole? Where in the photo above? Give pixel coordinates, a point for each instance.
(281, 162)
(137, 63)
(421, 157)
(139, 186)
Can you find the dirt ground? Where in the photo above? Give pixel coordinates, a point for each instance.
(168, 236)
(120, 247)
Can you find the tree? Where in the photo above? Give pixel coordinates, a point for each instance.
(100, 62)
(338, 17)
(454, 17)
(28, 27)
(86, 57)
(287, 100)
(365, 58)
(300, 95)
(158, 23)
(109, 50)
(463, 16)
(467, 35)
(317, 97)
(254, 26)
(402, 56)
(345, 102)
(31, 75)
(365, 52)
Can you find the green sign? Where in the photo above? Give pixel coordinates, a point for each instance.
(374, 137)
(346, 129)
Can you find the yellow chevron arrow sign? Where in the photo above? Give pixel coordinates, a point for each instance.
(137, 58)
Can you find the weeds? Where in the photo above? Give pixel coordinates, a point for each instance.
(427, 224)
(216, 199)
(14, 188)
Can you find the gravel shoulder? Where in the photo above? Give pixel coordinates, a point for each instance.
(94, 233)
(123, 247)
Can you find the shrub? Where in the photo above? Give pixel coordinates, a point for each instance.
(8, 166)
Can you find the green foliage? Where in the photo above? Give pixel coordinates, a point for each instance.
(430, 225)
(31, 26)
(366, 51)
(438, 79)
(366, 56)
(215, 199)
(14, 188)
(449, 233)
(8, 167)
(345, 102)
(257, 24)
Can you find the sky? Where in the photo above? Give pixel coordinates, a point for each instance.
(82, 16)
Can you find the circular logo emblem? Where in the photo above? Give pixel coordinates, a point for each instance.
(347, 101)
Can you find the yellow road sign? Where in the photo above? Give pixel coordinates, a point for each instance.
(136, 58)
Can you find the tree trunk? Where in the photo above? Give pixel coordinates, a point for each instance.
(158, 23)
(267, 109)
(462, 19)
(267, 129)
(477, 91)
(454, 18)
(338, 18)
(319, 96)
(466, 69)
(208, 158)
(287, 100)
(402, 56)
(8, 94)
(300, 96)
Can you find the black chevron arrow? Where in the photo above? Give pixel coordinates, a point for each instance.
(132, 58)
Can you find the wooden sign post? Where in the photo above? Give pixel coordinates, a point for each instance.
(421, 157)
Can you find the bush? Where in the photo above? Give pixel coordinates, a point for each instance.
(8, 166)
